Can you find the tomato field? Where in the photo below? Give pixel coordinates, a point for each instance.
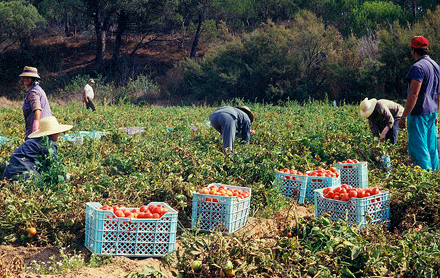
(178, 154)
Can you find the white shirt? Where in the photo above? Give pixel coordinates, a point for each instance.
(89, 91)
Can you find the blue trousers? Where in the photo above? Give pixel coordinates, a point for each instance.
(422, 141)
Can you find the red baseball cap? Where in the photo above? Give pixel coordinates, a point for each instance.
(419, 42)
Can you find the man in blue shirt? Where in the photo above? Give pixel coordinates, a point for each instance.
(422, 106)
(230, 122)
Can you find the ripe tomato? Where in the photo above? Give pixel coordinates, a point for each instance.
(105, 208)
(353, 193)
(375, 191)
(148, 215)
(128, 214)
(330, 194)
(205, 191)
(115, 208)
(156, 215)
(119, 213)
(143, 209)
(151, 208)
(326, 190)
(346, 197)
(32, 231)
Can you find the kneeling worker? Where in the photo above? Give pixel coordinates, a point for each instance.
(230, 122)
(23, 160)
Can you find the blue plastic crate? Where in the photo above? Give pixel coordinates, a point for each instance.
(290, 185)
(354, 174)
(220, 213)
(107, 234)
(313, 183)
(359, 211)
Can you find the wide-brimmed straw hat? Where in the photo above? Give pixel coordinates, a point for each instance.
(246, 110)
(367, 107)
(48, 126)
(30, 72)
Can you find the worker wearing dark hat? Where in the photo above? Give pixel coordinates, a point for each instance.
(422, 105)
(231, 122)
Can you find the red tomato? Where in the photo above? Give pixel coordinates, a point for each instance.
(156, 215)
(330, 194)
(353, 194)
(128, 214)
(336, 197)
(119, 213)
(151, 208)
(346, 197)
(337, 190)
(115, 208)
(326, 190)
(148, 215)
(375, 191)
(32, 231)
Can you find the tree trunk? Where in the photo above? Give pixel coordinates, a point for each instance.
(100, 38)
(197, 36)
(122, 25)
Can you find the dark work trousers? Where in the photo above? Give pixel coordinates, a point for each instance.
(393, 132)
(90, 104)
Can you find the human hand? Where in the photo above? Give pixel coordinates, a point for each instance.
(384, 133)
(35, 125)
(402, 123)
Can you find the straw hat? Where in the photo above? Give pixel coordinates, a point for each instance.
(367, 107)
(30, 72)
(246, 110)
(48, 126)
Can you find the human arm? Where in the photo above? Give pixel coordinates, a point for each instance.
(85, 96)
(34, 101)
(414, 89)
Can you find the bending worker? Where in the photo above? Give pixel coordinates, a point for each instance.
(420, 114)
(230, 122)
(23, 160)
(383, 117)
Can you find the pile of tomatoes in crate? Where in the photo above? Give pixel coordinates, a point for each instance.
(150, 211)
(345, 192)
(321, 172)
(348, 161)
(223, 190)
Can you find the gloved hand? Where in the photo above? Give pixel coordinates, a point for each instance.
(35, 125)
(384, 133)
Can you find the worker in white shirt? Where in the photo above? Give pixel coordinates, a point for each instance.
(89, 95)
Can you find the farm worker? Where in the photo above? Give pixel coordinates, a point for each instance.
(420, 114)
(89, 95)
(35, 106)
(230, 122)
(383, 117)
(23, 160)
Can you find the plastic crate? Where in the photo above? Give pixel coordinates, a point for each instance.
(289, 184)
(359, 211)
(220, 213)
(313, 183)
(107, 234)
(354, 174)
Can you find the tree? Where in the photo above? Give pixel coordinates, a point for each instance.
(17, 21)
(66, 13)
(374, 15)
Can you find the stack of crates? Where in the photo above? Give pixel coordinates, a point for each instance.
(359, 211)
(107, 234)
(354, 174)
(220, 213)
